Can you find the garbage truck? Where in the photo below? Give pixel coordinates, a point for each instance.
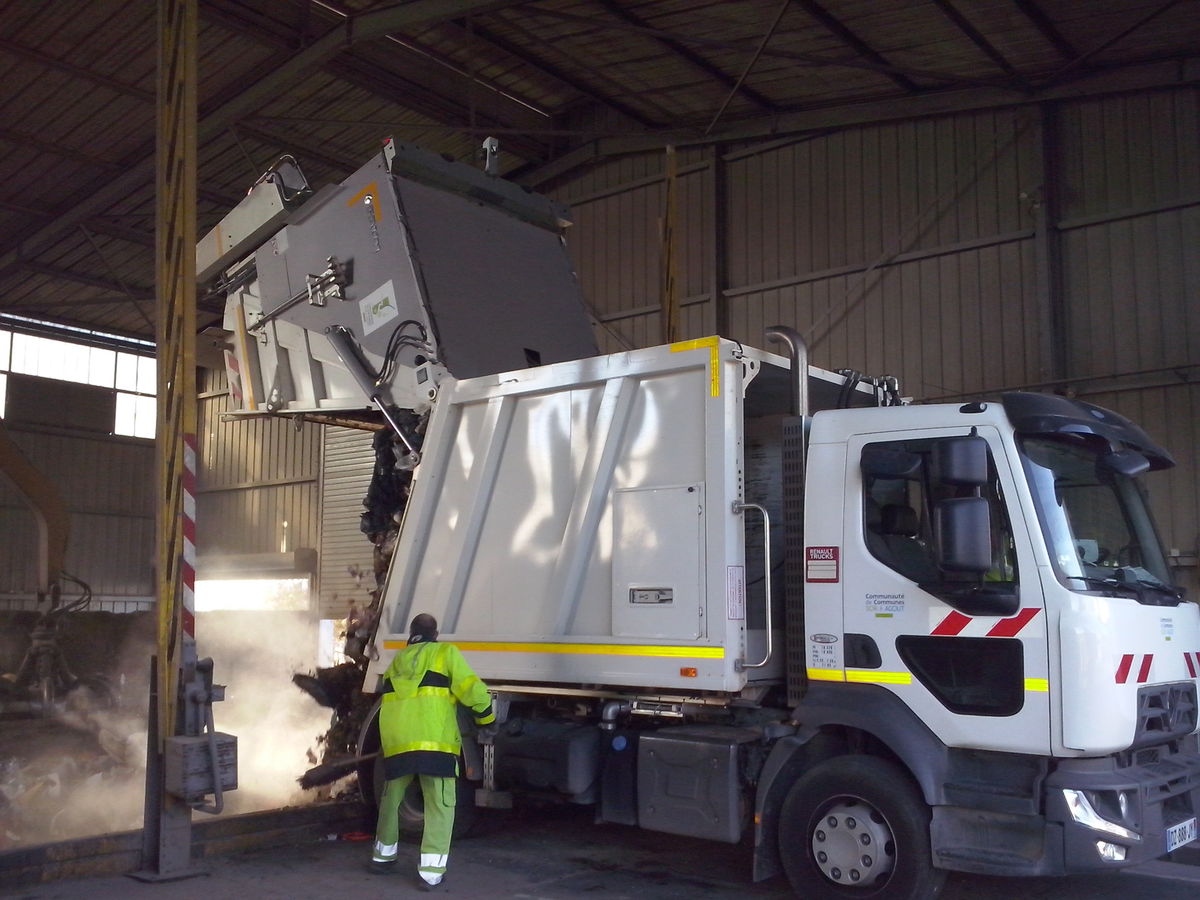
(716, 590)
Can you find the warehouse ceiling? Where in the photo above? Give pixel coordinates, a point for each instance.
(561, 83)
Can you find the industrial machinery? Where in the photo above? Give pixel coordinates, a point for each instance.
(43, 677)
(717, 591)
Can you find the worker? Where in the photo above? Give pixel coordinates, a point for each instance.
(419, 730)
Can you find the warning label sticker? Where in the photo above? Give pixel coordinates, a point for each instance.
(735, 592)
(821, 564)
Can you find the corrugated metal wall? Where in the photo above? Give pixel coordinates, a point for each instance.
(108, 486)
(346, 567)
(1131, 268)
(967, 253)
(258, 487)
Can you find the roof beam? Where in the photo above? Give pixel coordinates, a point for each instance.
(297, 148)
(132, 291)
(130, 90)
(28, 306)
(1118, 79)
(24, 139)
(1042, 23)
(137, 175)
(1118, 36)
(976, 37)
(546, 70)
(692, 57)
(853, 41)
(427, 96)
(808, 59)
(99, 226)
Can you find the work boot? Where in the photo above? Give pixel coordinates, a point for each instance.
(381, 867)
(430, 881)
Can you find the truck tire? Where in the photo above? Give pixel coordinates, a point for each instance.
(857, 827)
(412, 811)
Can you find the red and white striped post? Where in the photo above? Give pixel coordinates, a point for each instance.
(187, 565)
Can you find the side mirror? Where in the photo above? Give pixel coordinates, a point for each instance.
(964, 535)
(961, 461)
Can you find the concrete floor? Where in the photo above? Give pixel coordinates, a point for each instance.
(556, 854)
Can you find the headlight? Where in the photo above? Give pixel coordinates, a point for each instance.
(1085, 814)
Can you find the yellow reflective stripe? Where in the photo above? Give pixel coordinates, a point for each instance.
(826, 675)
(1041, 685)
(872, 676)
(583, 649)
(714, 369)
(432, 691)
(422, 745)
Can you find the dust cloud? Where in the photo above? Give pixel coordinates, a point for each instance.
(277, 725)
(80, 772)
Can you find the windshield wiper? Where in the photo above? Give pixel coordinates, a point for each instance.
(1107, 584)
(1155, 585)
(1135, 586)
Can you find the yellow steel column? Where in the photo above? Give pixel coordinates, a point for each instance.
(167, 838)
(176, 332)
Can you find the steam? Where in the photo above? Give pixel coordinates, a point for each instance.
(82, 772)
(277, 725)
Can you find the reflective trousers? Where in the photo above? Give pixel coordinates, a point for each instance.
(439, 796)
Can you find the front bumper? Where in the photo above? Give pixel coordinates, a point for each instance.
(1127, 801)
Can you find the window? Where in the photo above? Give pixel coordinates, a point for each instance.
(900, 507)
(1096, 521)
(132, 376)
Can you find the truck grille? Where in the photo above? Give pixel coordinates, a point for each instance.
(1165, 712)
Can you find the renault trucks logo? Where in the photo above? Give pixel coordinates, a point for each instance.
(821, 564)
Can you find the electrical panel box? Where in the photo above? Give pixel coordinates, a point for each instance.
(188, 766)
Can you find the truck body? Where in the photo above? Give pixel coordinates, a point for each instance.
(717, 591)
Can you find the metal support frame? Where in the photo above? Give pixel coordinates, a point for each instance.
(166, 846)
(718, 246)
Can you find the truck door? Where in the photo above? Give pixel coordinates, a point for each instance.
(978, 676)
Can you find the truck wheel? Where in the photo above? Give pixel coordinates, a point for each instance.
(857, 827)
(412, 811)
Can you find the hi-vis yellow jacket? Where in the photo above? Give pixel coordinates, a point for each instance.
(417, 717)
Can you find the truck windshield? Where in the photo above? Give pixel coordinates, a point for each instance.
(1096, 521)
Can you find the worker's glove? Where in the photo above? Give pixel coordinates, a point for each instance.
(486, 734)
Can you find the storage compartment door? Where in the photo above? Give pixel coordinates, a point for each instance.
(657, 557)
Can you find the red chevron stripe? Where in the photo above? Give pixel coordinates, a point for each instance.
(952, 624)
(1012, 627)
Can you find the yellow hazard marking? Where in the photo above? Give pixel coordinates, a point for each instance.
(714, 368)
(583, 649)
(871, 676)
(826, 675)
(1041, 685)
(372, 191)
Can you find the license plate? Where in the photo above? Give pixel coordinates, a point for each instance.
(1183, 833)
